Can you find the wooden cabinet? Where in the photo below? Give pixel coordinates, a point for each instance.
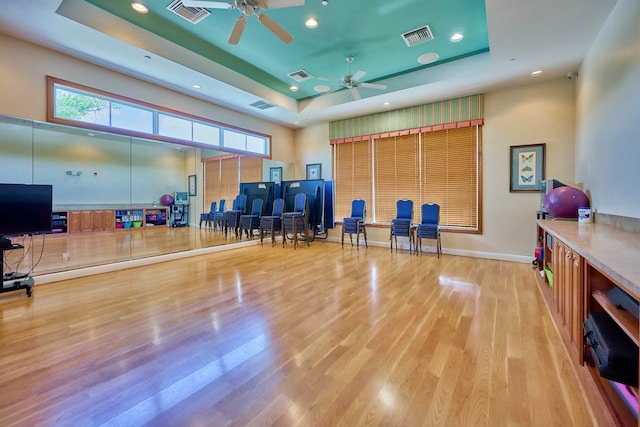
(581, 264)
(80, 221)
(102, 220)
(564, 265)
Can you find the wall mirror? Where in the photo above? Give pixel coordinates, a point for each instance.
(107, 195)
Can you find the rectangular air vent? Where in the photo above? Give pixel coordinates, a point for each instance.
(300, 75)
(191, 14)
(417, 36)
(262, 105)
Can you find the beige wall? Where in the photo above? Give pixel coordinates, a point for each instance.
(539, 113)
(533, 114)
(23, 94)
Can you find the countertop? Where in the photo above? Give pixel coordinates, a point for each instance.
(613, 251)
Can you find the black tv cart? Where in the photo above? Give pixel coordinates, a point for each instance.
(9, 283)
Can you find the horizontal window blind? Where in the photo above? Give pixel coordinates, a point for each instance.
(441, 166)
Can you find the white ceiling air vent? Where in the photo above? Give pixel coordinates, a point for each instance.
(262, 105)
(417, 36)
(191, 14)
(300, 75)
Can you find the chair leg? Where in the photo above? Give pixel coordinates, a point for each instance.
(364, 232)
(357, 236)
(343, 235)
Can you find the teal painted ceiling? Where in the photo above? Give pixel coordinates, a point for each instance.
(368, 30)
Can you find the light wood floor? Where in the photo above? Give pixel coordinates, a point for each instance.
(319, 336)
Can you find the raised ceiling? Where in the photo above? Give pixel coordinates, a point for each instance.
(504, 41)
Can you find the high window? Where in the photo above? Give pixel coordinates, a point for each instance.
(81, 106)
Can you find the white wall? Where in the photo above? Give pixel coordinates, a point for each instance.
(608, 105)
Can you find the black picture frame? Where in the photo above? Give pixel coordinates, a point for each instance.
(192, 185)
(275, 175)
(314, 171)
(527, 168)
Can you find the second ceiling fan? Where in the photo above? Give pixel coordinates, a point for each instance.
(249, 8)
(352, 82)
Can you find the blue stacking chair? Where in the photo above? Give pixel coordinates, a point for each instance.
(251, 221)
(232, 217)
(218, 216)
(272, 224)
(296, 223)
(207, 217)
(355, 224)
(429, 227)
(402, 225)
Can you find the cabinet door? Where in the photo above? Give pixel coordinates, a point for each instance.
(558, 275)
(80, 221)
(103, 220)
(576, 294)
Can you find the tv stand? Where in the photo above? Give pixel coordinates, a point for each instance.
(13, 281)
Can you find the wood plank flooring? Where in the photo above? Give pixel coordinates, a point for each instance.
(259, 336)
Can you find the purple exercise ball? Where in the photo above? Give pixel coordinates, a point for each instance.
(166, 200)
(563, 202)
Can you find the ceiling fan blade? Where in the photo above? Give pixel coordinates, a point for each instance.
(329, 79)
(234, 37)
(207, 4)
(358, 75)
(355, 94)
(275, 28)
(335, 89)
(275, 4)
(372, 85)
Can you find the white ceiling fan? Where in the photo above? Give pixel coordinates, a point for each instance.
(352, 82)
(248, 8)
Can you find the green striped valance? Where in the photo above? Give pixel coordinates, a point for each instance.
(465, 109)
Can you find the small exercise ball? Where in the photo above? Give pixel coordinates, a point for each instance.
(563, 202)
(166, 200)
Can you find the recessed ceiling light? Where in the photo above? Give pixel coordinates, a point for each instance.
(428, 58)
(322, 88)
(324, 2)
(311, 23)
(139, 7)
(195, 86)
(536, 73)
(293, 88)
(386, 104)
(456, 37)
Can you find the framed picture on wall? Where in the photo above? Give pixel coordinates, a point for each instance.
(275, 175)
(527, 168)
(192, 185)
(314, 171)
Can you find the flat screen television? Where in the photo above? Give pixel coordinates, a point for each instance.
(24, 209)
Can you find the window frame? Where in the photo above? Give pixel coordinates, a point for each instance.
(54, 83)
(420, 141)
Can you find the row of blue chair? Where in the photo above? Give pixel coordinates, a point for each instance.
(402, 225)
(428, 228)
(291, 225)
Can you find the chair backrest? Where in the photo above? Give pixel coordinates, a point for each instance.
(300, 203)
(239, 203)
(358, 209)
(431, 213)
(212, 209)
(222, 203)
(404, 209)
(278, 207)
(256, 207)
